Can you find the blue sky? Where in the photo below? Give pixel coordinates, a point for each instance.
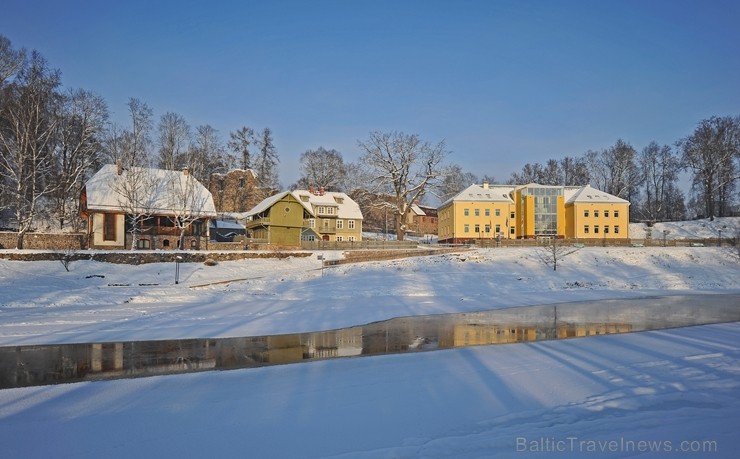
(502, 82)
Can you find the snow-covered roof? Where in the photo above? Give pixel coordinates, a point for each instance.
(478, 193)
(267, 203)
(104, 192)
(587, 194)
(417, 210)
(225, 224)
(346, 206)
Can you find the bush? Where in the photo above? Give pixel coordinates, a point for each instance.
(210, 262)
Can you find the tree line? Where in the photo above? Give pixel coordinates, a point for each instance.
(52, 139)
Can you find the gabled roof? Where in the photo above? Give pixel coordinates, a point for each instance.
(346, 206)
(103, 192)
(416, 210)
(477, 193)
(588, 194)
(270, 201)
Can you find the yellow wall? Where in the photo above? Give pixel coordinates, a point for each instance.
(453, 218)
(577, 220)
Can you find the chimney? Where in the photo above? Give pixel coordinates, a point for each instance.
(185, 171)
(485, 185)
(321, 191)
(119, 167)
(311, 189)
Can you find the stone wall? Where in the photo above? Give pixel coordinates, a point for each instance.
(44, 241)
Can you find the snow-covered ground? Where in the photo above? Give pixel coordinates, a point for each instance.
(635, 395)
(724, 227)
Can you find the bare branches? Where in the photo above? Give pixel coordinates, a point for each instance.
(403, 166)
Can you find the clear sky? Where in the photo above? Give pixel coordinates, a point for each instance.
(502, 82)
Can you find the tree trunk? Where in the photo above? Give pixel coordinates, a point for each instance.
(19, 243)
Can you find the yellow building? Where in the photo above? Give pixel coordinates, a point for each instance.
(532, 211)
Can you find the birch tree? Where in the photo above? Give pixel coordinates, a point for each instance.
(173, 141)
(403, 166)
(28, 122)
(81, 124)
(187, 200)
(136, 189)
(11, 60)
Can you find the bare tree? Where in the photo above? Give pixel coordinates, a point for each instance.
(659, 168)
(454, 181)
(553, 252)
(81, 124)
(173, 139)
(403, 166)
(187, 199)
(28, 123)
(322, 168)
(615, 171)
(239, 142)
(574, 171)
(531, 173)
(139, 140)
(137, 192)
(207, 154)
(712, 153)
(11, 60)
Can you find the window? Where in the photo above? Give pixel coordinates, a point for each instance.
(477, 228)
(596, 213)
(322, 209)
(166, 243)
(606, 213)
(606, 229)
(326, 224)
(241, 183)
(596, 228)
(616, 214)
(109, 227)
(498, 229)
(585, 229)
(340, 224)
(616, 229)
(487, 228)
(512, 215)
(488, 212)
(512, 230)
(498, 212)
(466, 212)
(351, 239)
(466, 228)
(351, 224)
(330, 211)
(142, 244)
(585, 213)
(193, 244)
(312, 223)
(339, 239)
(477, 212)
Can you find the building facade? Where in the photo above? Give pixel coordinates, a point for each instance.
(165, 209)
(305, 215)
(532, 211)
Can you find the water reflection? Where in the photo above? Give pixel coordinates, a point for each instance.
(51, 364)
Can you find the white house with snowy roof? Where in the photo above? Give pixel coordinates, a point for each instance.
(161, 209)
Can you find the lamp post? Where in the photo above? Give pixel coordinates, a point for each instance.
(665, 235)
(178, 259)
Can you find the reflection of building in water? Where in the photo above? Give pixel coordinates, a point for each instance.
(106, 357)
(574, 330)
(478, 334)
(339, 343)
(283, 349)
